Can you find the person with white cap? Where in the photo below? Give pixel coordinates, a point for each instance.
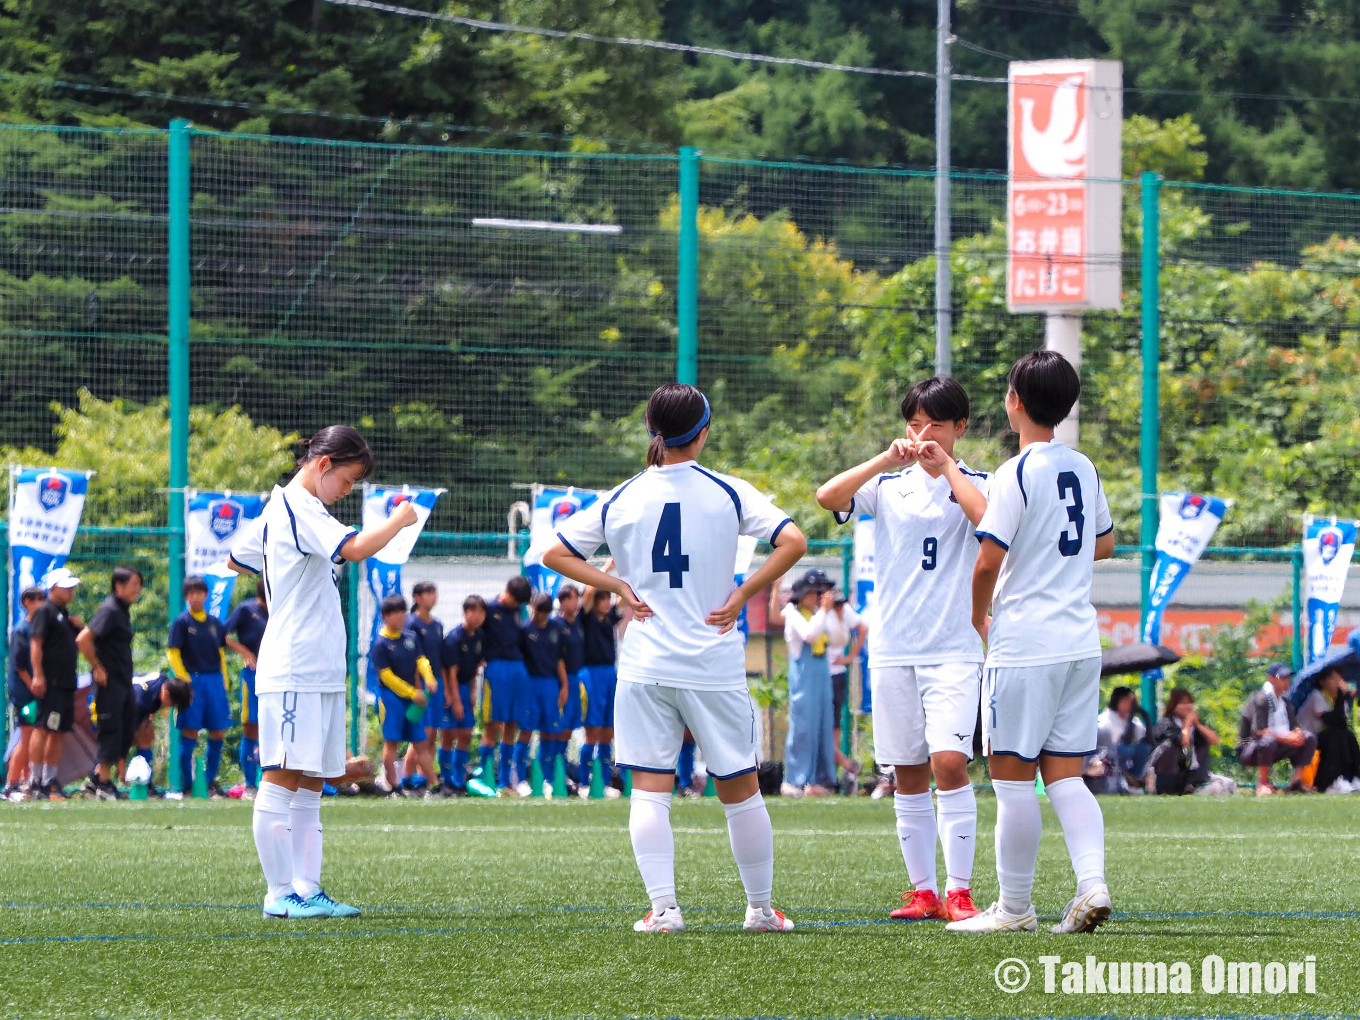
(54, 655)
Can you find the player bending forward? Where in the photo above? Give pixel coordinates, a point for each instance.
(1047, 522)
(300, 676)
(673, 531)
(924, 659)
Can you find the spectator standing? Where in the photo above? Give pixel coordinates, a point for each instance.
(1326, 714)
(54, 654)
(1268, 732)
(809, 763)
(20, 689)
(245, 632)
(846, 627)
(106, 644)
(1179, 761)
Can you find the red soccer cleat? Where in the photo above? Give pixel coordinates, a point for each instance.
(958, 904)
(920, 905)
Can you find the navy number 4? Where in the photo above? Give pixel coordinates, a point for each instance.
(1069, 488)
(666, 555)
(930, 553)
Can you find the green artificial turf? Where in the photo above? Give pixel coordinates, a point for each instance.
(525, 909)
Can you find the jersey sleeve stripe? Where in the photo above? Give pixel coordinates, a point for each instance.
(292, 520)
(1020, 476)
(782, 524)
(335, 556)
(604, 510)
(985, 534)
(243, 566)
(842, 517)
(570, 548)
(736, 500)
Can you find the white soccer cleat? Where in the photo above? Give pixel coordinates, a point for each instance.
(789, 790)
(994, 918)
(660, 922)
(1085, 913)
(765, 919)
(524, 789)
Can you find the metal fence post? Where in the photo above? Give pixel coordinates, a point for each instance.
(1151, 425)
(352, 575)
(687, 278)
(177, 333)
(4, 624)
(1296, 597)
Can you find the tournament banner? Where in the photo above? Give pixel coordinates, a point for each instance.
(212, 520)
(1188, 522)
(863, 575)
(550, 507)
(1328, 545)
(44, 512)
(384, 570)
(746, 552)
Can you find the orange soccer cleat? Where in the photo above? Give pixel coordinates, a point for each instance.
(920, 905)
(958, 904)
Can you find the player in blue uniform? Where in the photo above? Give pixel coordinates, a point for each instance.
(574, 659)
(463, 655)
(543, 644)
(197, 654)
(438, 723)
(402, 667)
(599, 625)
(245, 631)
(503, 682)
(151, 693)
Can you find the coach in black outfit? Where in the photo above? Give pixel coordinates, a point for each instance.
(107, 644)
(54, 653)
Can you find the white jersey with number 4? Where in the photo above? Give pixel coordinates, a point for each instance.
(1047, 508)
(924, 551)
(672, 531)
(295, 545)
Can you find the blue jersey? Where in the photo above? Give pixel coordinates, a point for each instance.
(399, 654)
(599, 636)
(574, 650)
(199, 642)
(247, 623)
(431, 638)
(464, 650)
(20, 658)
(147, 692)
(502, 631)
(543, 647)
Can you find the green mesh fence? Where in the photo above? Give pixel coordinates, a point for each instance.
(490, 318)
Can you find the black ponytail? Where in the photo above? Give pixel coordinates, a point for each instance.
(341, 444)
(675, 410)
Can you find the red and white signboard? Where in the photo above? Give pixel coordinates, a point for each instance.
(1063, 210)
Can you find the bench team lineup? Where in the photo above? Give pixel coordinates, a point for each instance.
(983, 600)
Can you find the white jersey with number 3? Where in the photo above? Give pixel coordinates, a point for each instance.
(672, 531)
(1047, 508)
(924, 551)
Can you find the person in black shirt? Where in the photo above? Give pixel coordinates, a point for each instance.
(106, 643)
(599, 623)
(20, 690)
(463, 655)
(504, 682)
(54, 654)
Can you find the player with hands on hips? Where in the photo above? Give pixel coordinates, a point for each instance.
(673, 531)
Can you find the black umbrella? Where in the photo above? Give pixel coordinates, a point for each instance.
(1135, 658)
(1344, 658)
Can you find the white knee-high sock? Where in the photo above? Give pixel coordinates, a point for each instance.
(649, 823)
(273, 841)
(1083, 828)
(916, 836)
(752, 836)
(958, 834)
(1018, 827)
(306, 850)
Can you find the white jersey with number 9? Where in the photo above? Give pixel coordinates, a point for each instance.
(672, 531)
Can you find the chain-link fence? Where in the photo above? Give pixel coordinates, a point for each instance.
(495, 318)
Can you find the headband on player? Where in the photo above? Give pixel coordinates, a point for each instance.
(692, 434)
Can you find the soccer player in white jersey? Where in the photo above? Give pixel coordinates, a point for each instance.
(300, 677)
(924, 659)
(1046, 524)
(673, 533)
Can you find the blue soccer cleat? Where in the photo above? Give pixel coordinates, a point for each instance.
(321, 901)
(294, 906)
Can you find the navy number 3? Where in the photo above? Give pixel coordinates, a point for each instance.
(666, 555)
(1069, 488)
(930, 553)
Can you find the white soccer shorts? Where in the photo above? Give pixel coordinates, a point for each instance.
(650, 722)
(303, 731)
(923, 710)
(1033, 710)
